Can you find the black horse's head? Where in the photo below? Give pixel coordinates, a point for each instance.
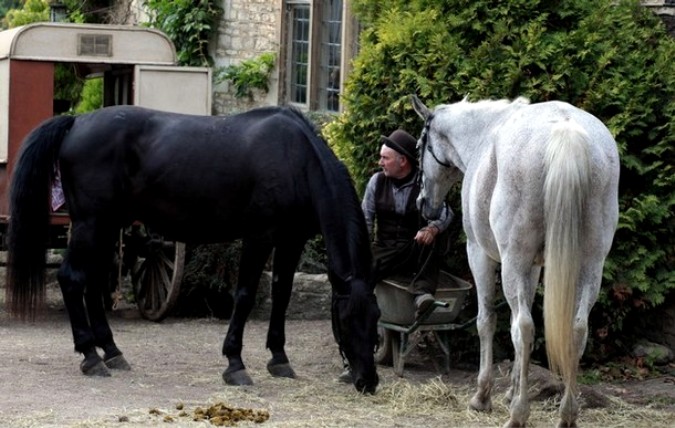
(355, 317)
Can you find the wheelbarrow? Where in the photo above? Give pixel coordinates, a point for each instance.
(398, 320)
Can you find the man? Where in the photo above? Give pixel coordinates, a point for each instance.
(403, 244)
(403, 240)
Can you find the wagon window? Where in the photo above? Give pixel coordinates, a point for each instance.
(94, 45)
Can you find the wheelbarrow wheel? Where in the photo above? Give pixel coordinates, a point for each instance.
(384, 354)
(156, 278)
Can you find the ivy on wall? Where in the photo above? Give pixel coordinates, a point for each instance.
(250, 74)
(189, 24)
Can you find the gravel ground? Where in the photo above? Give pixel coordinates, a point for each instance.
(178, 363)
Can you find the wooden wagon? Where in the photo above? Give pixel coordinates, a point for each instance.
(138, 66)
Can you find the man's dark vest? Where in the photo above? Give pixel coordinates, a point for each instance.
(392, 227)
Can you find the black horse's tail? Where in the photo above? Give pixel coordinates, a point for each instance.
(28, 232)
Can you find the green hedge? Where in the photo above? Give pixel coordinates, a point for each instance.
(613, 59)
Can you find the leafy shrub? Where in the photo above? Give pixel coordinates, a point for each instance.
(92, 96)
(613, 59)
(250, 74)
(32, 11)
(189, 24)
(209, 280)
(211, 276)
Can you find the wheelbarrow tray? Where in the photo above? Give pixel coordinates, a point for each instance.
(397, 303)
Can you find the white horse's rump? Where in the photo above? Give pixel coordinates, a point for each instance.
(540, 188)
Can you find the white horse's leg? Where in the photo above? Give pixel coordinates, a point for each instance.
(517, 363)
(588, 289)
(484, 273)
(519, 285)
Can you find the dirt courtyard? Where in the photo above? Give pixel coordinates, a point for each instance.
(178, 363)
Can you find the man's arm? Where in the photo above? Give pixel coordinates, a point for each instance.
(427, 234)
(444, 220)
(368, 204)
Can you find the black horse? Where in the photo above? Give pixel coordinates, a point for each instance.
(265, 176)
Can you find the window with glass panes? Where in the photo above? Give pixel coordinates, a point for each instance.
(331, 46)
(314, 53)
(299, 64)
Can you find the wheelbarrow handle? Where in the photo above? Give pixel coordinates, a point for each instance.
(427, 313)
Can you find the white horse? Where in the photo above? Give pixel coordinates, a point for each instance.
(540, 188)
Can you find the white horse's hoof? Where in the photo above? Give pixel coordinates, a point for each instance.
(480, 405)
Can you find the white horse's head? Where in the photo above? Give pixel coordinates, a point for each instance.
(439, 173)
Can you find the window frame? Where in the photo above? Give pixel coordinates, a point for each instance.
(314, 71)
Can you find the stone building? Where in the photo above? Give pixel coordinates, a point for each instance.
(314, 42)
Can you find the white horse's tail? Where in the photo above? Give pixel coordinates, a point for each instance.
(566, 189)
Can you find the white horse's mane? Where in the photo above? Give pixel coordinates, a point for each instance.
(481, 105)
(518, 100)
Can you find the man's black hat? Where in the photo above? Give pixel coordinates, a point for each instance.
(403, 143)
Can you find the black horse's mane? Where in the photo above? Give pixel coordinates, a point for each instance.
(340, 190)
(336, 171)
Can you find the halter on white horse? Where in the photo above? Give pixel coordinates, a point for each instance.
(540, 188)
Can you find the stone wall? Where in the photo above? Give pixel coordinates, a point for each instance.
(247, 29)
(310, 299)
(660, 323)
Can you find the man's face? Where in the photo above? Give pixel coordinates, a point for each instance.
(391, 162)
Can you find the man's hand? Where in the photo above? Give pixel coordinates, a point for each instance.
(426, 235)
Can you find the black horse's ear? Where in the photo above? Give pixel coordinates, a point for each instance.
(420, 108)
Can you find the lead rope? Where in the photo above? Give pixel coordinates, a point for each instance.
(424, 265)
(422, 146)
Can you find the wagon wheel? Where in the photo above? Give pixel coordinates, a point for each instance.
(156, 277)
(384, 353)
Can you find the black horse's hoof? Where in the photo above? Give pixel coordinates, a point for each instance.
(281, 370)
(94, 368)
(117, 362)
(239, 378)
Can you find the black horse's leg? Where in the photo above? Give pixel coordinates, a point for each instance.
(83, 276)
(74, 278)
(253, 257)
(286, 259)
(94, 300)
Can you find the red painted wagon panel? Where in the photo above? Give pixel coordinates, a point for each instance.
(31, 94)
